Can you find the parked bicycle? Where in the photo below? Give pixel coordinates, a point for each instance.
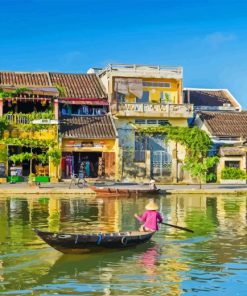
(78, 181)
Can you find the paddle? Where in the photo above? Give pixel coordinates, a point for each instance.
(179, 227)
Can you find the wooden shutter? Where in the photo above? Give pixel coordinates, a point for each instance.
(109, 160)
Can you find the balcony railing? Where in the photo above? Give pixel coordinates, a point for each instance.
(129, 70)
(152, 110)
(19, 118)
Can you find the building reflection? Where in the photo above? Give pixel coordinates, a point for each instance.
(211, 217)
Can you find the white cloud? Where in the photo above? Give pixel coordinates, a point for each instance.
(216, 39)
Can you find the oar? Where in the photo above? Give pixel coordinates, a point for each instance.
(179, 227)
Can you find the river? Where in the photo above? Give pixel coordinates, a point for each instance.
(210, 261)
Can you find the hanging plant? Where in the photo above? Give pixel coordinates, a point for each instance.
(21, 157)
(42, 158)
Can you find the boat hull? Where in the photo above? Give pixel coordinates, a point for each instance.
(111, 191)
(87, 243)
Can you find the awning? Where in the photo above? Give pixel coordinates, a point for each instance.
(84, 101)
(48, 91)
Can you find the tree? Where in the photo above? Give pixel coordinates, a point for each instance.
(199, 168)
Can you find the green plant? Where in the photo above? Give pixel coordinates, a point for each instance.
(33, 143)
(3, 125)
(199, 168)
(42, 158)
(3, 154)
(61, 90)
(12, 93)
(230, 173)
(21, 157)
(55, 154)
(197, 144)
(31, 177)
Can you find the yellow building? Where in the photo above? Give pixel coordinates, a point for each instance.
(87, 132)
(228, 132)
(145, 96)
(29, 113)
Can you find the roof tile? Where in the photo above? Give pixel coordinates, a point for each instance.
(79, 85)
(88, 127)
(203, 97)
(24, 79)
(229, 124)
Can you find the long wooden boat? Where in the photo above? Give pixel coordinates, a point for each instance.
(111, 191)
(73, 243)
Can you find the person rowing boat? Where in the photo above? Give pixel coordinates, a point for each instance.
(151, 217)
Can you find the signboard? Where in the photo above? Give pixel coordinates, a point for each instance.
(16, 171)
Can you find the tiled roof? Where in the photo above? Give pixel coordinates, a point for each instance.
(24, 79)
(229, 124)
(75, 85)
(88, 127)
(79, 85)
(231, 151)
(204, 97)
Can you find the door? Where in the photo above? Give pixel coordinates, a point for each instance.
(161, 163)
(109, 163)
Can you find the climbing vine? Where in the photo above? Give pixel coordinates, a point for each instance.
(34, 143)
(197, 144)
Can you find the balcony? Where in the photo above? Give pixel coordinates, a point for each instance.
(124, 70)
(154, 110)
(20, 118)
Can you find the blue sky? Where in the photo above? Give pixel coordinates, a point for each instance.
(208, 38)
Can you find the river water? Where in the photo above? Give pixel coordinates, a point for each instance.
(210, 261)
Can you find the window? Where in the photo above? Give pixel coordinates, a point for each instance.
(140, 121)
(163, 122)
(156, 84)
(152, 121)
(144, 98)
(232, 164)
(120, 97)
(140, 147)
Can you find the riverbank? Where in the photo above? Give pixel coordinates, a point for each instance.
(63, 188)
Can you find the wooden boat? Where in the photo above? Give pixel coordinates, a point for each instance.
(85, 243)
(111, 191)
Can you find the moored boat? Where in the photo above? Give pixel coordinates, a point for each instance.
(123, 191)
(80, 243)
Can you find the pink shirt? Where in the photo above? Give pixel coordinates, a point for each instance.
(151, 219)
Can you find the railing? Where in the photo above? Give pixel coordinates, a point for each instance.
(214, 108)
(140, 68)
(18, 118)
(169, 110)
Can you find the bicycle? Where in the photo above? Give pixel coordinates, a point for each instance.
(78, 181)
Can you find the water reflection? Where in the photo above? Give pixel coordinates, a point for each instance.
(210, 260)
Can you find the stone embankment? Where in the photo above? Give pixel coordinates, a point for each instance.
(63, 189)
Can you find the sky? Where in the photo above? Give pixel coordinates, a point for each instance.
(207, 38)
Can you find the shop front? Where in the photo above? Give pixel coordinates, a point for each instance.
(95, 159)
